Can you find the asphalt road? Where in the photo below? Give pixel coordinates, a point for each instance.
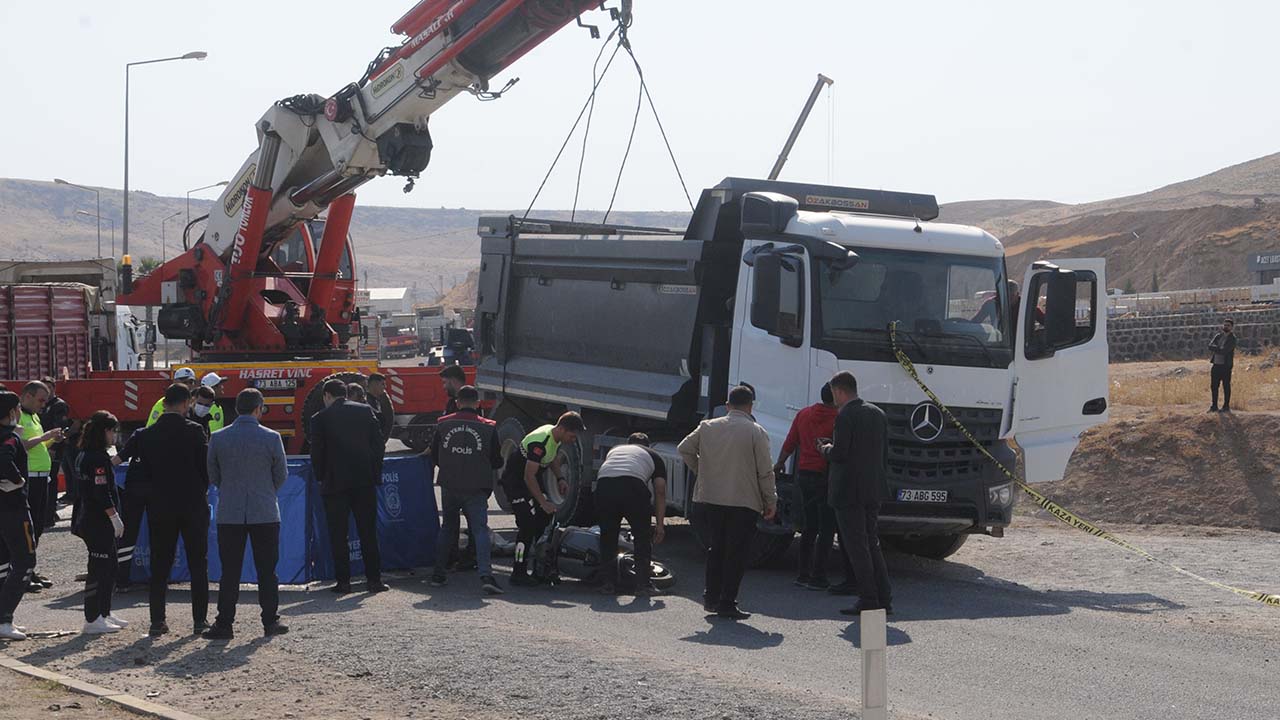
(1046, 623)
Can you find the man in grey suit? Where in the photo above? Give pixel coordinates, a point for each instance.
(247, 464)
(859, 455)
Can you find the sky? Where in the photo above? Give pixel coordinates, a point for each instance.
(1071, 102)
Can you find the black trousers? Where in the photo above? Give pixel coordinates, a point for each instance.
(265, 538)
(1220, 375)
(339, 507)
(133, 505)
(38, 501)
(165, 525)
(100, 584)
(730, 530)
(617, 498)
(530, 523)
(17, 556)
(819, 524)
(858, 525)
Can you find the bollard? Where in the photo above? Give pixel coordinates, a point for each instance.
(875, 700)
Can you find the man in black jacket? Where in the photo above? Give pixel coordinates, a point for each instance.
(346, 457)
(1222, 359)
(467, 451)
(381, 404)
(858, 455)
(174, 450)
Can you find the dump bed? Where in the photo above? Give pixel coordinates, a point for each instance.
(607, 322)
(45, 327)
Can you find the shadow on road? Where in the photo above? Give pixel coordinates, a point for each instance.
(728, 633)
(893, 636)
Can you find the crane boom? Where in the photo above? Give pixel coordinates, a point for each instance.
(227, 294)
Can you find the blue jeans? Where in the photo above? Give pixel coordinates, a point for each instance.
(476, 508)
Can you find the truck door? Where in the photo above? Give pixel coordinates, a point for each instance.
(772, 345)
(1060, 366)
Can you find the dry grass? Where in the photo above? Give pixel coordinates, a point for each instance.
(1188, 384)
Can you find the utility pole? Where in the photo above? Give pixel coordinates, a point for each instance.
(823, 81)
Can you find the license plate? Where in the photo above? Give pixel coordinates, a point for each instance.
(936, 496)
(277, 384)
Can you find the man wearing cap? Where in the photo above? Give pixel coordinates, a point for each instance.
(181, 376)
(203, 409)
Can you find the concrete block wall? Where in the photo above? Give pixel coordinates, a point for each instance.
(1186, 336)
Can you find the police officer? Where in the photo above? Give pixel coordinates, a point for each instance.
(17, 541)
(181, 376)
(35, 395)
(216, 422)
(522, 479)
(97, 521)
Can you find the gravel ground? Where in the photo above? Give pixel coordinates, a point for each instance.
(29, 699)
(1041, 623)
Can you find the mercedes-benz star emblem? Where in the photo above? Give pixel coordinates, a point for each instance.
(926, 422)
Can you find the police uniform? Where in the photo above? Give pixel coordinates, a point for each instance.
(89, 521)
(214, 421)
(539, 446)
(17, 541)
(39, 469)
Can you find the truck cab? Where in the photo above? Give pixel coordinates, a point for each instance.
(781, 285)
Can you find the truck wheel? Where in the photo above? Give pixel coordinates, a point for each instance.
(510, 433)
(576, 505)
(936, 547)
(417, 436)
(314, 402)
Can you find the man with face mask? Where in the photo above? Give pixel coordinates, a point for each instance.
(202, 410)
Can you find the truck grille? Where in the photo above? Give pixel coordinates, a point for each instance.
(948, 460)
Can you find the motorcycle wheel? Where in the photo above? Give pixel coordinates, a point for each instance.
(659, 574)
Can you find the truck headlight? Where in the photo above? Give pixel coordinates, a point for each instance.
(1000, 495)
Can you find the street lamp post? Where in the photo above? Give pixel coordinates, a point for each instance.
(206, 187)
(97, 206)
(86, 213)
(196, 55)
(162, 239)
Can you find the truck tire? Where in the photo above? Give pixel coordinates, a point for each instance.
(575, 506)
(935, 547)
(314, 401)
(763, 550)
(510, 433)
(417, 436)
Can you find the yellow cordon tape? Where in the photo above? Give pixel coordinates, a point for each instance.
(1054, 508)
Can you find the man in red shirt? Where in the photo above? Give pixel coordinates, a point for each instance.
(814, 423)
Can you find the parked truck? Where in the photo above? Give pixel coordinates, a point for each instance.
(781, 285)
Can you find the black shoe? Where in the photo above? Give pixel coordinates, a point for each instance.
(218, 632)
(158, 629)
(608, 589)
(199, 627)
(341, 588)
(438, 580)
(708, 606)
(1226, 408)
(375, 587)
(844, 588)
(649, 590)
(801, 581)
(1213, 408)
(275, 628)
(523, 581)
(732, 612)
(123, 587)
(819, 583)
(489, 584)
(34, 587)
(44, 581)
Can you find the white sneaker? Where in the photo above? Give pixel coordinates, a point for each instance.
(101, 626)
(111, 618)
(9, 631)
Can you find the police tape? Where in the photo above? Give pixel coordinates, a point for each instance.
(1053, 508)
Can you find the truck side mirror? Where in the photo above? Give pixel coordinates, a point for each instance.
(766, 292)
(1060, 309)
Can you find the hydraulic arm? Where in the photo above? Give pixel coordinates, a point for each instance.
(228, 295)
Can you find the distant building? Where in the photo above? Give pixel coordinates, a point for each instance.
(384, 302)
(1265, 267)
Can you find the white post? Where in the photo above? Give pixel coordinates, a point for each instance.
(875, 696)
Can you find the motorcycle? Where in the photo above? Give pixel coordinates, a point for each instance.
(574, 552)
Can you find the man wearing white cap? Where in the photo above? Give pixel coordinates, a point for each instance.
(183, 376)
(206, 407)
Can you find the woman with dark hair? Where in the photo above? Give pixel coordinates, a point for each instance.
(17, 536)
(96, 521)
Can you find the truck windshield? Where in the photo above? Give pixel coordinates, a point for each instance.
(952, 308)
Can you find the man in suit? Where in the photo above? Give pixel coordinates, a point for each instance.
(174, 451)
(858, 455)
(247, 464)
(346, 456)
(735, 487)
